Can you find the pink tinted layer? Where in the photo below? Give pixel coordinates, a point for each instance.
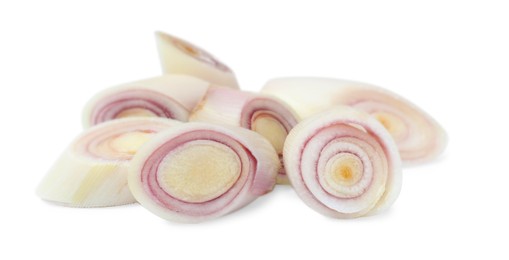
(149, 174)
(109, 107)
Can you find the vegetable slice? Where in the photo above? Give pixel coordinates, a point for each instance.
(92, 171)
(169, 96)
(418, 136)
(180, 57)
(199, 171)
(266, 115)
(343, 163)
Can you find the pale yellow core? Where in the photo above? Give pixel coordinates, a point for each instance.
(192, 51)
(272, 130)
(187, 48)
(129, 143)
(343, 170)
(392, 123)
(135, 112)
(200, 171)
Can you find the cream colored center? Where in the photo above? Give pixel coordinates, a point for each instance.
(135, 112)
(190, 50)
(392, 123)
(129, 143)
(199, 171)
(272, 130)
(187, 48)
(343, 170)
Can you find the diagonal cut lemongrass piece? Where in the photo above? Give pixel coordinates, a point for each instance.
(169, 96)
(200, 171)
(418, 136)
(178, 56)
(343, 163)
(92, 171)
(266, 115)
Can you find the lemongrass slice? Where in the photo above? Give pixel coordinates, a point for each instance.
(181, 57)
(199, 171)
(343, 163)
(266, 115)
(169, 96)
(92, 171)
(418, 136)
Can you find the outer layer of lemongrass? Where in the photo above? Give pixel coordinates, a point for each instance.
(418, 136)
(169, 96)
(92, 171)
(266, 115)
(343, 163)
(199, 171)
(180, 57)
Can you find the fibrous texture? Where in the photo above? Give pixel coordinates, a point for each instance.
(266, 115)
(92, 171)
(343, 163)
(200, 171)
(180, 57)
(169, 96)
(418, 136)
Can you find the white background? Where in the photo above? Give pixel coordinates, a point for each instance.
(450, 57)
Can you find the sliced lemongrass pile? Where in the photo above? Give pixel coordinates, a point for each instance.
(266, 115)
(343, 159)
(343, 163)
(169, 96)
(418, 136)
(92, 171)
(180, 57)
(200, 171)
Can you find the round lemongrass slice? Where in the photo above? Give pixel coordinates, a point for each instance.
(92, 171)
(266, 115)
(199, 171)
(343, 163)
(169, 96)
(180, 57)
(418, 136)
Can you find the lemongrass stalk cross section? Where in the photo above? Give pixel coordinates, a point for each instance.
(343, 163)
(418, 136)
(199, 171)
(181, 57)
(92, 171)
(169, 96)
